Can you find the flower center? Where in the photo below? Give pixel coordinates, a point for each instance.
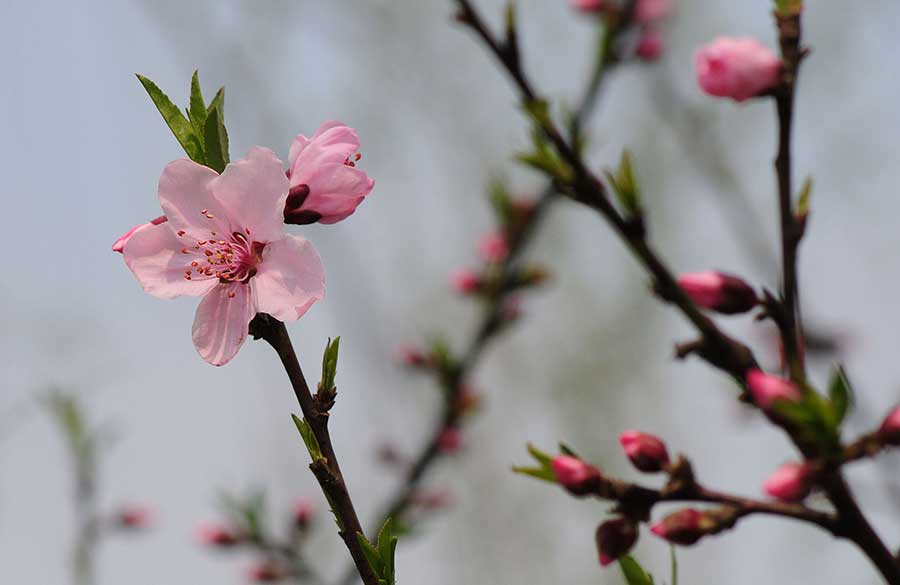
(230, 260)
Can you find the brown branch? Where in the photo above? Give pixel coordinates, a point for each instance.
(327, 471)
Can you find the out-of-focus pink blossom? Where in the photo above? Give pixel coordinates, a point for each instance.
(646, 452)
(135, 516)
(766, 389)
(412, 356)
(494, 247)
(615, 538)
(432, 500)
(450, 440)
(466, 281)
(890, 428)
(304, 510)
(650, 45)
(224, 240)
(267, 572)
(119, 244)
(588, 5)
(325, 185)
(736, 68)
(683, 527)
(789, 483)
(216, 535)
(718, 291)
(651, 11)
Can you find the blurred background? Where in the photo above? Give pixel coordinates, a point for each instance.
(82, 148)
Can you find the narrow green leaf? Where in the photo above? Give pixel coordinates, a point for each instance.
(566, 450)
(371, 554)
(179, 125)
(543, 458)
(218, 101)
(633, 572)
(674, 563)
(387, 545)
(309, 438)
(329, 363)
(197, 111)
(216, 140)
(803, 199)
(536, 472)
(840, 394)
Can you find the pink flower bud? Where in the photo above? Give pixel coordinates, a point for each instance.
(494, 247)
(304, 510)
(218, 536)
(588, 5)
(646, 452)
(736, 68)
(135, 516)
(767, 389)
(465, 281)
(267, 572)
(573, 473)
(614, 539)
(718, 291)
(450, 440)
(119, 244)
(890, 428)
(412, 356)
(789, 483)
(650, 45)
(650, 11)
(683, 527)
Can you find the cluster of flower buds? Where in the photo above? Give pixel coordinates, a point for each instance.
(646, 15)
(768, 390)
(889, 432)
(719, 292)
(737, 68)
(646, 452)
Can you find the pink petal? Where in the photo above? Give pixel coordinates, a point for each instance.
(253, 191)
(153, 253)
(222, 320)
(290, 278)
(336, 190)
(187, 200)
(332, 143)
(119, 244)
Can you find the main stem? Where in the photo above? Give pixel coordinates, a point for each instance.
(328, 473)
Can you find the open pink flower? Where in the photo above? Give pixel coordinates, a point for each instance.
(224, 240)
(326, 186)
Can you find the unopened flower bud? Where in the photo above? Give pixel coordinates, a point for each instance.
(494, 247)
(412, 356)
(218, 536)
(683, 527)
(303, 513)
(134, 516)
(767, 389)
(573, 473)
(450, 440)
(650, 45)
(615, 538)
(267, 572)
(789, 483)
(466, 281)
(890, 428)
(718, 292)
(646, 452)
(588, 5)
(736, 68)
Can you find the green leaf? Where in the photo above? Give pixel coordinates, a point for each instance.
(387, 547)
(566, 450)
(197, 111)
(803, 199)
(633, 572)
(218, 101)
(624, 185)
(371, 554)
(179, 125)
(309, 438)
(501, 202)
(216, 140)
(329, 363)
(840, 395)
(543, 471)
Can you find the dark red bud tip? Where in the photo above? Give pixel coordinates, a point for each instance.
(719, 292)
(646, 452)
(684, 527)
(890, 428)
(303, 513)
(615, 538)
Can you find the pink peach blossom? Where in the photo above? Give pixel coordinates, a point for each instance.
(767, 389)
(650, 45)
(494, 247)
(325, 185)
(650, 11)
(789, 483)
(465, 281)
(736, 68)
(119, 244)
(224, 241)
(588, 5)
